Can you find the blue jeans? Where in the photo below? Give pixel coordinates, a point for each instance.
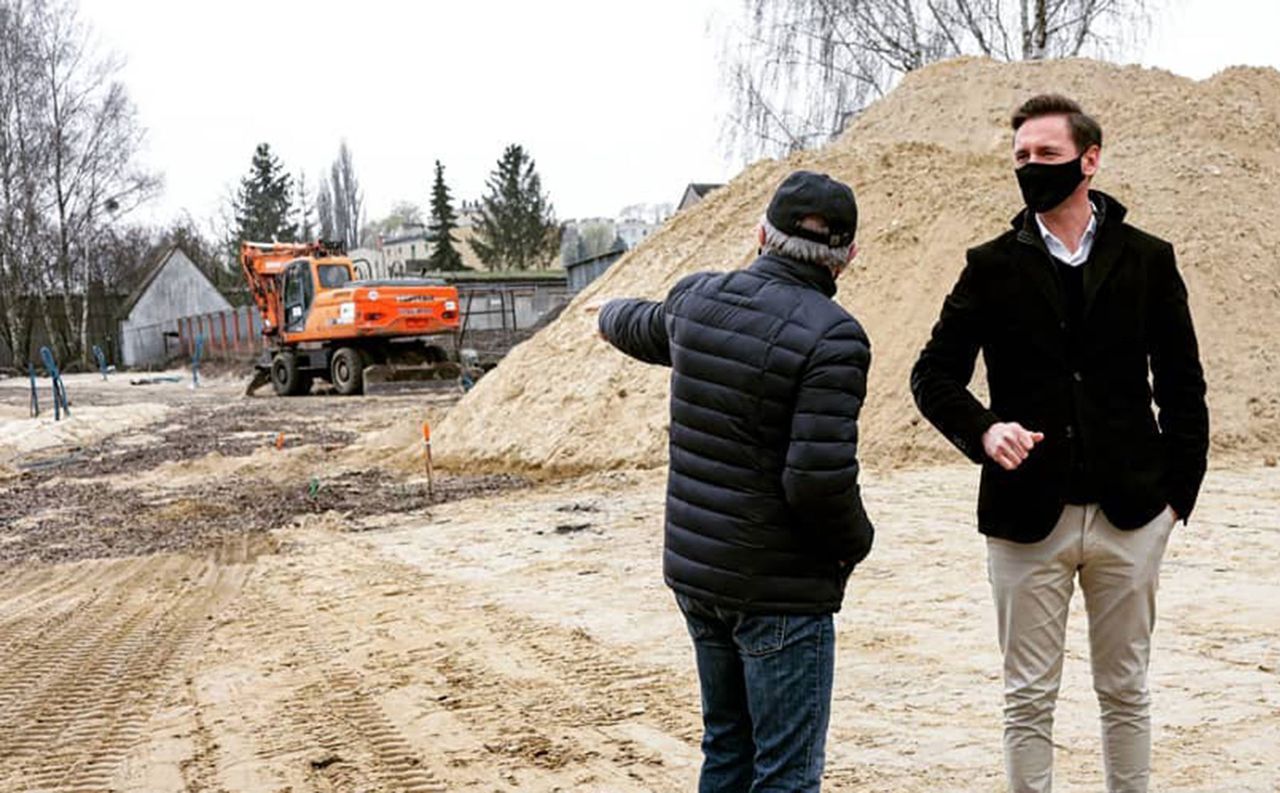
(766, 697)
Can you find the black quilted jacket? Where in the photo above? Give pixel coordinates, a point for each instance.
(768, 377)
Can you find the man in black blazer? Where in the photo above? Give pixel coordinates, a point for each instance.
(1081, 319)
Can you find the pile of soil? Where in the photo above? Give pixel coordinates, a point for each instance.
(1195, 162)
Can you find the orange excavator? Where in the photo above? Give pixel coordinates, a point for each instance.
(321, 321)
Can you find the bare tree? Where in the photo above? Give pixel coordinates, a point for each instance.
(800, 68)
(95, 137)
(306, 230)
(324, 210)
(348, 201)
(67, 168)
(16, 79)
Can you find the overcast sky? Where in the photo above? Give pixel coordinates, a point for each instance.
(619, 102)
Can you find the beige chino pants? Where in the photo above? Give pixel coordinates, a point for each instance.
(1032, 583)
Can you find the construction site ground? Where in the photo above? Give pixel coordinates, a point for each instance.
(204, 592)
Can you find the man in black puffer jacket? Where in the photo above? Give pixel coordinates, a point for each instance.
(764, 518)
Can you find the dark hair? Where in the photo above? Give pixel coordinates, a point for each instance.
(1084, 130)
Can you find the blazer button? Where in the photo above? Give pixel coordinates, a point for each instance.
(1071, 431)
(1062, 325)
(1077, 376)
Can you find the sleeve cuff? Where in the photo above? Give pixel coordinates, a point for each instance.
(969, 438)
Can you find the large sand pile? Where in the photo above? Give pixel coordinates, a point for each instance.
(1196, 162)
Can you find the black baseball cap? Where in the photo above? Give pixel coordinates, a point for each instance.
(806, 193)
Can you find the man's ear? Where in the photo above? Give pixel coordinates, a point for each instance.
(853, 251)
(760, 235)
(1091, 160)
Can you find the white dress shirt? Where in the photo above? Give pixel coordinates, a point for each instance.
(1058, 249)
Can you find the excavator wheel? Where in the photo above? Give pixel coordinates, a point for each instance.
(346, 371)
(435, 354)
(286, 379)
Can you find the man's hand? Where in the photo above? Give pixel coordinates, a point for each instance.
(1009, 444)
(593, 307)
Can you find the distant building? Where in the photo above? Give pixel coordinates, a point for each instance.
(370, 263)
(695, 192)
(656, 214)
(402, 247)
(405, 251)
(173, 289)
(634, 232)
(468, 214)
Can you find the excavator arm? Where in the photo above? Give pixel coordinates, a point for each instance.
(263, 265)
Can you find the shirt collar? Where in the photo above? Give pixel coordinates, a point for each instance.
(1059, 249)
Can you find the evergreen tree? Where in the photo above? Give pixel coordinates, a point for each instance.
(444, 254)
(517, 227)
(263, 205)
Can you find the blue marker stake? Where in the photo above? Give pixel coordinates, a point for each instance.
(195, 361)
(60, 405)
(35, 395)
(102, 360)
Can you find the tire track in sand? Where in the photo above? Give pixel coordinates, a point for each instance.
(520, 696)
(336, 712)
(75, 698)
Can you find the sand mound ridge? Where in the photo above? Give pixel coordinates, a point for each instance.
(1196, 163)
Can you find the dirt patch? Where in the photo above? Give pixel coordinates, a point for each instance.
(69, 520)
(196, 432)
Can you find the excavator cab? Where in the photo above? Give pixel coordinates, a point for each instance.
(299, 291)
(333, 276)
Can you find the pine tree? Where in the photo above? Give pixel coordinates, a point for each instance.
(444, 254)
(263, 205)
(517, 227)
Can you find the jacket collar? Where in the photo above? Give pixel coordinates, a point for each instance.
(1110, 212)
(780, 268)
(1107, 245)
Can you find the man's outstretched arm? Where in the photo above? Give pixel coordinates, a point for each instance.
(637, 328)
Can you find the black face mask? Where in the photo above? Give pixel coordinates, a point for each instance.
(1046, 186)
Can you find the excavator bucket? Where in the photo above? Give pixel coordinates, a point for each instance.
(260, 378)
(389, 379)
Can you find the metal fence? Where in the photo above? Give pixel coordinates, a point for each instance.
(228, 335)
(496, 317)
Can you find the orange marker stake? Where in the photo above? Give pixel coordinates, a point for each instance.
(426, 442)
(280, 441)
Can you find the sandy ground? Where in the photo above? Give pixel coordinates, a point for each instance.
(523, 640)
